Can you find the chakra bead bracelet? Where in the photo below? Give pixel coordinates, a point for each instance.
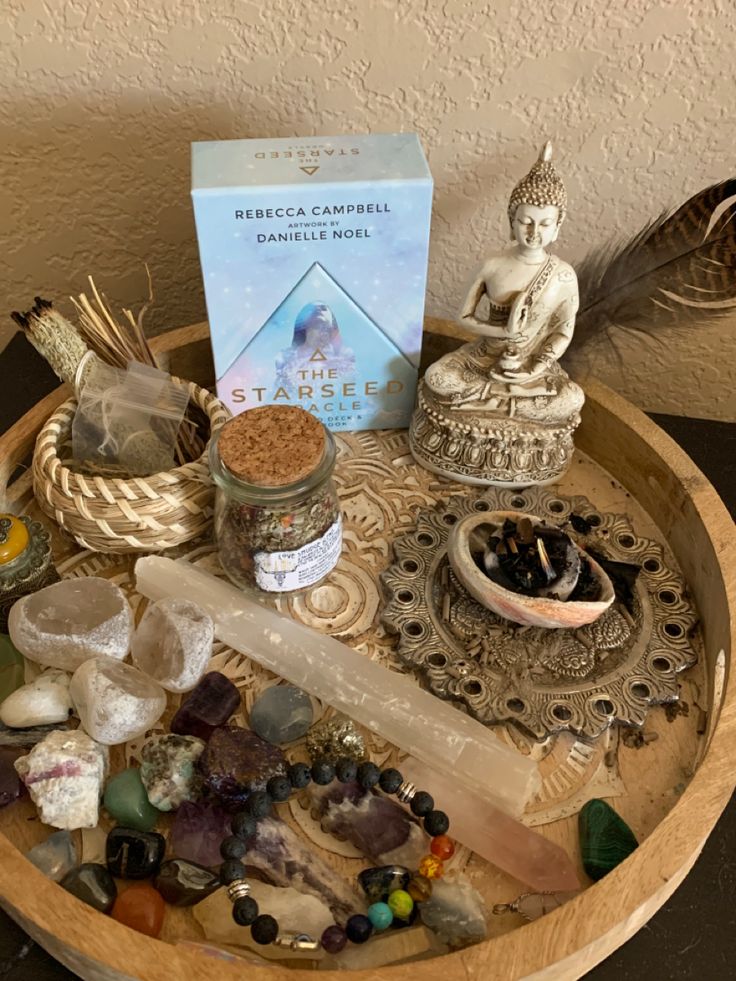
(358, 928)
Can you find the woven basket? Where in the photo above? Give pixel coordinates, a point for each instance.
(138, 514)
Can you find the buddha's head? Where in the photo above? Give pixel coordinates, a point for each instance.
(538, 204)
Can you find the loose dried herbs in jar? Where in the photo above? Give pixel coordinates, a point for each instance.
(277, 517)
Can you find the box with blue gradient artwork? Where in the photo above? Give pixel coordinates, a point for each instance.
(314, 259)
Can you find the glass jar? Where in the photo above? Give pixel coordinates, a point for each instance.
(276, 535)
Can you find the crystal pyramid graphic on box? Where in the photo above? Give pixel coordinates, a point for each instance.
(320, 349)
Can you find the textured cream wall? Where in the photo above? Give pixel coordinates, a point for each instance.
(99, 101)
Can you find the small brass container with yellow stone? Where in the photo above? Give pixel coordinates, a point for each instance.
(25, 561)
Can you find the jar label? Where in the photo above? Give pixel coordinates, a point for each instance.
(280, 572)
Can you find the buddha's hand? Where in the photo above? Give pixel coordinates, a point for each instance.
(518, 316)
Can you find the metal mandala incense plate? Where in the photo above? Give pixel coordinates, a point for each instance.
(546, 681)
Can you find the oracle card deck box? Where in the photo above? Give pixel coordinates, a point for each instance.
(314, 259)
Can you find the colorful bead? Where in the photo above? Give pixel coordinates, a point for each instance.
(431, 867)
(421, 803)
(436, 823)
(358, 928)
(323, 772)
(244, 825)
(278, 789)
(334, 939)
(232, 847)
(346, 769)
(381, 916)
(258, 804)
(245, 911)
(368, 775)
(401, 904)
(265, 929)
(419, 888)
(390, 781)
(443, 847)
(299, 775)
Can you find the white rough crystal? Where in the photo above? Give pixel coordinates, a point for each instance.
(455, 913)
(71, 621)
(173, 643)
(294, 911)
(56, 856)
(43, 702)
(65, 774)
(384, 701)
(115, 702)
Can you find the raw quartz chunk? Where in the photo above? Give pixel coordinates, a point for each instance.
(43, 702)
(56, 856)
(173, 643)
(114, 701)
(71, 621)
(280, 856)
(377, 826)
(167, 770)
(455, 913)
(64, 775)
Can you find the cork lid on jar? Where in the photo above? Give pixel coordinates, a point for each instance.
(272, 445)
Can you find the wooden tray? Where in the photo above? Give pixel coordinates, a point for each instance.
(671, 792)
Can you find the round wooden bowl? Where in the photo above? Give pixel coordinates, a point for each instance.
(571, 940)
(534, 611)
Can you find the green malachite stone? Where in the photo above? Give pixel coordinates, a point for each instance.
(127, 801)
(605, 838)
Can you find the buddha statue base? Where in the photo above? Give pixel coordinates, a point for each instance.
(473, 448)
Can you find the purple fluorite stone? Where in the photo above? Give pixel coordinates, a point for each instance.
(197, 832)
(206, 707)
(236, 761)
(11, 786)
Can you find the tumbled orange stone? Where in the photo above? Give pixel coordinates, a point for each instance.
(419, 888)
(431, 867)
(443, 847)
(141, 908)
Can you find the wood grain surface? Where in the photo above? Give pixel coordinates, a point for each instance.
(566, 943)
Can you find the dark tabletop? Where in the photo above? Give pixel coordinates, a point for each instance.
(693, 936)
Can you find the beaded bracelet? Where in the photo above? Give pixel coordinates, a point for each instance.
(358, 928)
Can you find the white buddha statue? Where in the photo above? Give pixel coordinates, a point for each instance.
(500, 410)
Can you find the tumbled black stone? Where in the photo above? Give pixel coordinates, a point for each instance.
(183, 883)
(93, 884)
(134, 854)
(378, 882)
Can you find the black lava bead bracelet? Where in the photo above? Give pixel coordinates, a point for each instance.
(358, 928)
